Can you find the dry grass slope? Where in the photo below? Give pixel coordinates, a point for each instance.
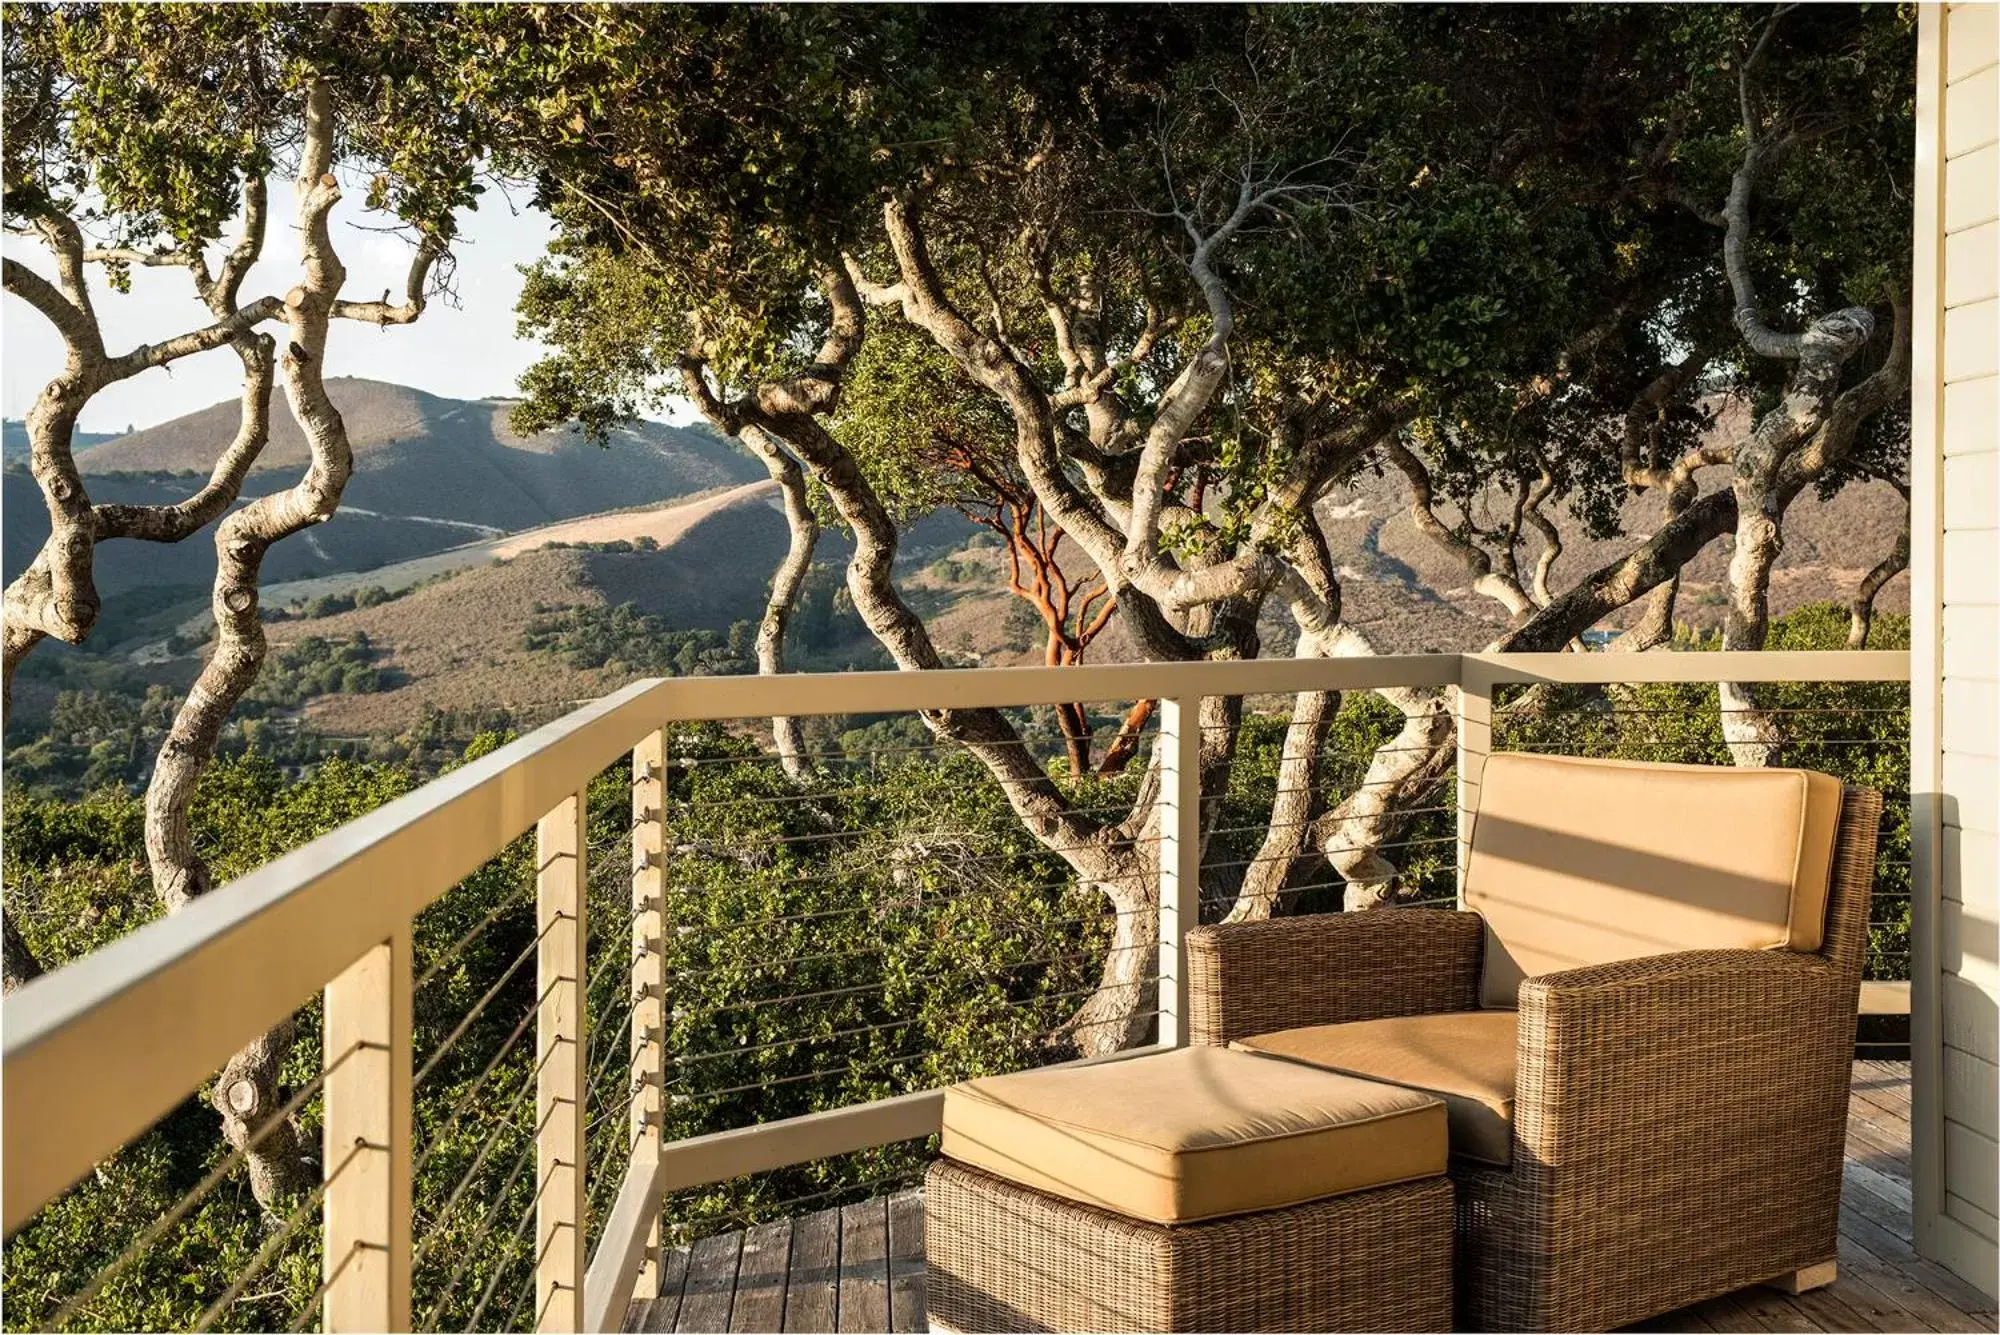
(459, 644)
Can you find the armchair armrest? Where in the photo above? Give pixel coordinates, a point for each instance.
(1680, 1060)
(1330, 968)
(1678, 1126)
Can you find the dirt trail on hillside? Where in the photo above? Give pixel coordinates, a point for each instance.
(665, 524)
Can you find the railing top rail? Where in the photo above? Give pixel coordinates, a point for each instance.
(98, 1050)
(1605, 669)
(101, 1048)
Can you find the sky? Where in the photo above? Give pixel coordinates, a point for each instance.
(469, 351)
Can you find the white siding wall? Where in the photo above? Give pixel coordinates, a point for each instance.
(1955, 756)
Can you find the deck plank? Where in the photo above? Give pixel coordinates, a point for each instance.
(1887, 1121)
(1876, 1197)
(659, 1314)
(812, 1287)
(906, 1262)
(1872, 1145)
(1890, 1103)
(861, 1267)
(761, 1275)
(1931, 1280)
(1846, 1307)
(1731, 1312)
(1913, 1307)
(864, 1266)
(711, 1284)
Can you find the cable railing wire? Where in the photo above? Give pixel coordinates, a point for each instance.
(465, 1099)
(450, 1041)
(275, 1243)
(507, 1255)
(194, 1195)
(610, 1020)
(448, 1288)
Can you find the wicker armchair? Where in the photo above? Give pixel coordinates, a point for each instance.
(1677, 1122)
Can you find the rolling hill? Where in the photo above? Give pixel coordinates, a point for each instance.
(14, 440)
(429, 473)
(459, 643)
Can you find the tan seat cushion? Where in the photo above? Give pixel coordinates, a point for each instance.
(1578, 862)
(1465, 1058)
(1193, 1134)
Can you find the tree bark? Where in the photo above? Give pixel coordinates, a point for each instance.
(1126, 744)
(1400, 774)
(1107, 858)
(18, 964)
(1861, 611)
(248, 1094)
(56, 595)
(1291, 828)
(1501, 585)
(787, 734)
(1622, 581)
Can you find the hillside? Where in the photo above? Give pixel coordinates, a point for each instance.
(1829, 546)
(429, 473)
(14, 440)
(662, 524)
(460, 644)
(484, 533)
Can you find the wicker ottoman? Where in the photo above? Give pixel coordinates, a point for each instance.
(1202, 1189)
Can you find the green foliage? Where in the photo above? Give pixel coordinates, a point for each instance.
(644, 543)
(909, 934)
(888, 927)
(1491, 224)
(142, 123)
(76, 881)
(332, 604)
(314, 666)
(626, 639)
(94, 737)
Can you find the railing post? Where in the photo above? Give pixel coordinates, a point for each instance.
(1180, 857)
(1473, 726)
(366, 1213)
(649, 969)
(560, 881)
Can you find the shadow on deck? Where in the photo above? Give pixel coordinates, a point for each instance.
(861, 1267)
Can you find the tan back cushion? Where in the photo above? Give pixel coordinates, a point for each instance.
(1578, 862)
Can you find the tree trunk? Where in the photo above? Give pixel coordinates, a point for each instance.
(20, 964)
(787, 734)
(1750, 730)
(1655, 626)
(1400, 774)
(248, 1093)
(1075, 724)
(1126, 744)
(1291, 824)
(55, 595)
(1861, 612)
(1118, 1014)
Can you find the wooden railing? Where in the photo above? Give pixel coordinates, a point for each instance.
(98, 1051)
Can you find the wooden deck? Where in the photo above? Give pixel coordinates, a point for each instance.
(861, 1267)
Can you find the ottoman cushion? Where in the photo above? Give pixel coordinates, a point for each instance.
(1197, 1133)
